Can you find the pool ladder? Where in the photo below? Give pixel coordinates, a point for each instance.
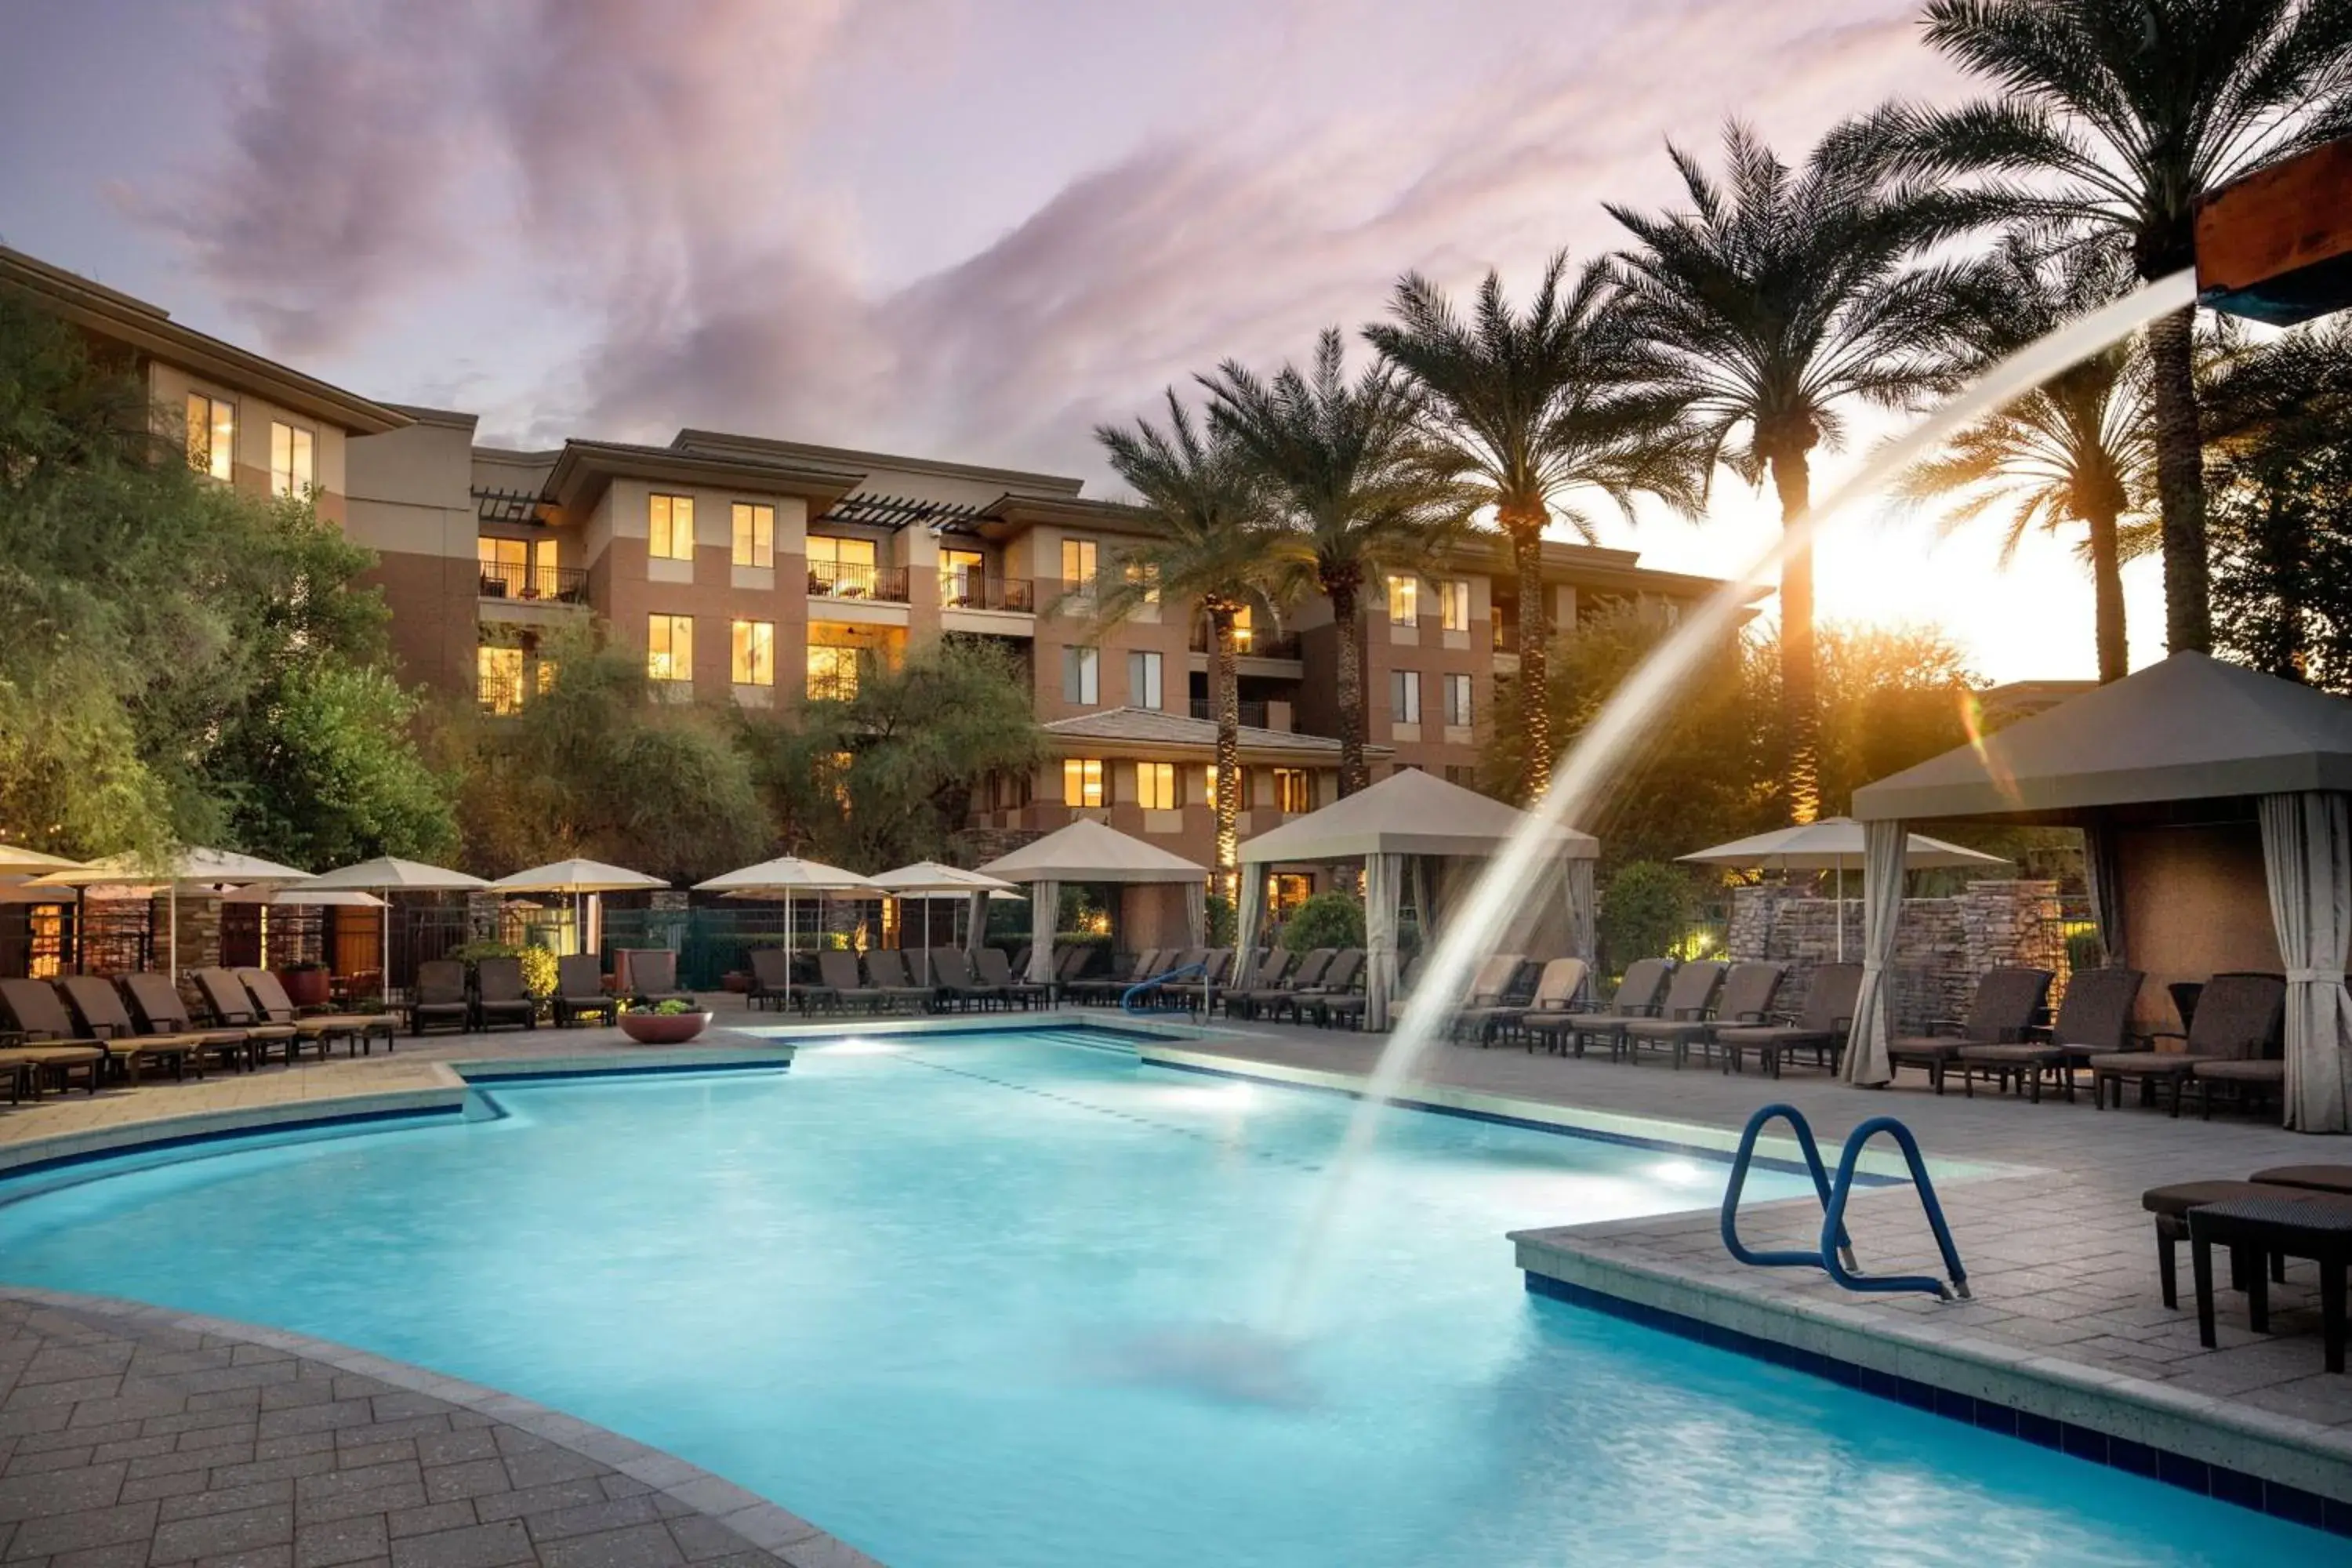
(1127, 997)
(1835, 1256)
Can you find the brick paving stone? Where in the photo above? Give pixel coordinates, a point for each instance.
(121, 1554)
(430, 1517)
(353, 1540)
(225, 1534)
(583, 1519)
(449, 1447)
(632, 1546)
(55, 1533)
(473, 1546)
(581, 1492)
(466, 1478)
(91, 1486)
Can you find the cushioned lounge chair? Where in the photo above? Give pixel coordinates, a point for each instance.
(1743, 997)
(1217, 969)
(438, 1000)
(894, 982)
(653, 977)
(580, 993)
(1266, 970)
(1347, 1008)
(2094, 1019)
(1307, 972)
(953, 983)
(1820, 1026)
(1343, 974)
(771, 977)
(231, 1006)
(1100, 988)
(1558, 986)
(99, 1014)
(1637, 996)
(2006, 1003)
(1492, 986)
(840, 984)
(2238, 1018)
(43, 1066)
(42, 1018)
(358, 1031)
(159, 1008)
(1689, 1009)
(993, 968)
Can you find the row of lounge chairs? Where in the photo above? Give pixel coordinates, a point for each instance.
(885, 980)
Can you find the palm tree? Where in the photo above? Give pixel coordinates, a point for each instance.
(2079, 448)
(2120, 115)
(1530, 408)
(1352, 482)
(1777, 298)
(1213, 547)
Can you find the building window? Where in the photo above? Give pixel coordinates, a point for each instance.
(755, 534)
(1082, 782)
(832, 672)
(1081, 676)
(1462, 773)
(1143, 680)
(1454, 604)
(1294, 789)
(1243, 631)
(1209, 788)
(963, 580)
(842, 568)
(1079, 566)
(499, 675)
(1155, 786)
(670, 527)
(754, 662)
(1458, 700)
(1286, 891)
(292, 470)
(211, 436)
(1404, 601)
(1146, 575)
(1404, 696)
(670, 647)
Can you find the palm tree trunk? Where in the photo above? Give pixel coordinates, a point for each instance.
(2180, 484)
(2107, 595)
(1534, 643)
(1347, 622)
(1228, 803)
(1799, 698)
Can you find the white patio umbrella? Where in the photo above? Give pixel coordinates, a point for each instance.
(1832, 844)
(390, 874)
(928, 880)
(581, 879)
(17, 860)
(193, 869)
(782, 878)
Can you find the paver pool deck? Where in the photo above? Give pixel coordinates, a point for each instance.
(2066, 1321)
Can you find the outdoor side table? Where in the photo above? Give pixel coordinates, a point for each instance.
(2316, 1227)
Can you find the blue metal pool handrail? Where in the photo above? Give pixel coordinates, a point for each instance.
(1127, 997)
(1835, 1255)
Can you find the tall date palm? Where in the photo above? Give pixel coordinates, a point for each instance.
(1778, 297)
(1529, 409)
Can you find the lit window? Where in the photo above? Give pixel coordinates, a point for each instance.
(1143, 679)
(1242, 630)
(755, 534)
(670, 647)
(1145, 573)
(1458, 700)
(1404, 696)
(1209, 786)
(670, 527)
(1294, 789)
(1404, 601)
(842, 568)
(292, 469)
(832, 672)
(1077, 565)
(1082, 782)
(963, 580)
(1288, 890)
(754, 661)
(211, 436)
(498, 672)
(506, 567)
(1454, 604)
(1155, 786)
(1081, 676)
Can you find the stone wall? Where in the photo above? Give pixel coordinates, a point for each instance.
(1941, 945)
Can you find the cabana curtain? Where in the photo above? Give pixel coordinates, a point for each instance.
(2103, 878)
(1196, 914)
(1384, 883)
(1583, 933)
(2307, 852)
(1249, 909)
(1883, 844)
(1044, 908)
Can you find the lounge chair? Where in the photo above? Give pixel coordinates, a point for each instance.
(2236, 1019)
(232, 1006)
(159, 1008)
(1306, 973)
(1265, 969)
(48, 1029)
(499, 997)
(1637, 996)
(2170, 1205)
(439, 998)
(1109, 987)
(1820, 1026)
(2094, 1020)
(771, 977)
(893, 982)
(580, 991)
(994, 970)
(2007, 1003)
(840, 983)
(1216, 967)
(1071, 964)
(1691, 1007)
(1343, 974)
(1173, 962)
(953, 983)
(653, 977)
(99, 1014)
(33, 1068)
(1556, 987)
(358, 1031)
(1488, 996)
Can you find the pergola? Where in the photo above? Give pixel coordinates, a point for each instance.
(2213, 803)
(1089, 852)
(1408, 820)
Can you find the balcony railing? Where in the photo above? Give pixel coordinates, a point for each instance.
(969, 591)
(1253, 644)
(549, 584)
(849, 580)
(1253, 714)
(500, 694)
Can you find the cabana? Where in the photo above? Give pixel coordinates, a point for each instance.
(1087, 852)
(1407, 819)
(2213, 801)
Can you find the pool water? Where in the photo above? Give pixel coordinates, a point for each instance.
(1004, 1301)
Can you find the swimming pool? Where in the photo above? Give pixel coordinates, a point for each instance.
(957, 1300)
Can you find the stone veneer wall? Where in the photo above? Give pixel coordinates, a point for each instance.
(1941, 945)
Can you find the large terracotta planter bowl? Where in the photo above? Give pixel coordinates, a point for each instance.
(664, 1028)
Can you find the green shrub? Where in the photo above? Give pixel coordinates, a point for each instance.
(1326, 919)
(1645, 912)
(2084, 950)
(538, 963)
(1224, 924)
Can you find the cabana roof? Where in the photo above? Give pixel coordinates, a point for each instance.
(2188, 728)
(1090, 851)
(1408, 813)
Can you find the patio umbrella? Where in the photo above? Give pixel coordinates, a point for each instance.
(579, 878)
(16, 860)
(1832, 844)
(190, 868)
(782, 878)
(389, 873)
(927, 879)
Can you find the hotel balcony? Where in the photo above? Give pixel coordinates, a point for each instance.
(534, 585)
(1253, 714)
(969, 591)
(1253, 643)
(847, 580)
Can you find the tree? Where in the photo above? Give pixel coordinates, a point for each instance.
(1529, 409)
(2116, 116)
(2079, 448)
(1214, 547)
(1779, 297)
(1353, 488)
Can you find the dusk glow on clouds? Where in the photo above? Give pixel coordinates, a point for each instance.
(966, 228)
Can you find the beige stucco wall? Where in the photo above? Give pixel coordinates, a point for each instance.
(2195, 902)
(169, 387)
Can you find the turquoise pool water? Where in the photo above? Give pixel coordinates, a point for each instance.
(958, 1302)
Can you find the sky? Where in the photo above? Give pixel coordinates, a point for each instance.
(970, 229)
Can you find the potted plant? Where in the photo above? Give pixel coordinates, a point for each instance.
(669, 1023)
